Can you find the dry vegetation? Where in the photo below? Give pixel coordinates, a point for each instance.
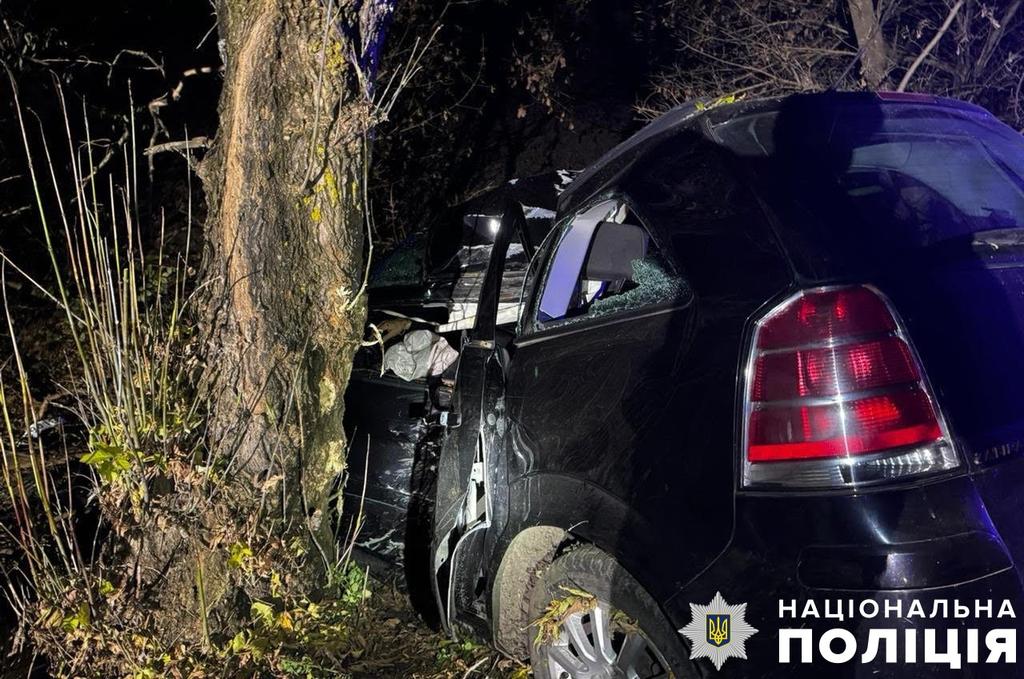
(130, 450)
(966, 50)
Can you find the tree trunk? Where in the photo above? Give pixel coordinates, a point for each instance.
(284, 267)
(874, 64)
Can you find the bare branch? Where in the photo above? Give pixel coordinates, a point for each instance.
(184, 145)
(995, 36)
(930, 46)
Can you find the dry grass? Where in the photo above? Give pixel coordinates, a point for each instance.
(74, 502)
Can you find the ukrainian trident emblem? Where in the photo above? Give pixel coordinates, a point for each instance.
(718, 629)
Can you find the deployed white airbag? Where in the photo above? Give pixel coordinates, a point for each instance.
(419, 354)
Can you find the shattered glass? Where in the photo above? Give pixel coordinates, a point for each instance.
(569, 296)
(404, 266)
(654, 285)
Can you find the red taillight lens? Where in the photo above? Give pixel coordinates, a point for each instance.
(867, 425)
(828, 371)
(833, 385)
(824, 316)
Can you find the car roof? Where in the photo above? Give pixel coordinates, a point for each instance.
(690, 115)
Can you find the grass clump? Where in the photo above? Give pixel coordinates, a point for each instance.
(130, 410)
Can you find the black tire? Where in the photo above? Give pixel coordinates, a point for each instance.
(591, 570)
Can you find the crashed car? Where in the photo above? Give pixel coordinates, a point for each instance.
(767, 353)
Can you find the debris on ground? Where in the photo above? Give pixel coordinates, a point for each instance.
(549, 624)
(392, 641)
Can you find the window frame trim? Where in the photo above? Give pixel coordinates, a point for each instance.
(531, 330)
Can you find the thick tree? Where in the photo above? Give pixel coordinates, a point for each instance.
(285, 262)
(285, 267)
(871, 41)
(221, 547)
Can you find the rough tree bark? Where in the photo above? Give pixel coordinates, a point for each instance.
(284, 266)
(870, 41)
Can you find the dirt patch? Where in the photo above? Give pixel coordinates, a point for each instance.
(388, 640)
(394, 642)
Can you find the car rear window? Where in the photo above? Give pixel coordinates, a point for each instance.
(910, 176)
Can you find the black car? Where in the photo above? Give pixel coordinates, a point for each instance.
(768, 352)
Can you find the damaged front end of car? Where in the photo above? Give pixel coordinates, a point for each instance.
(468, 500)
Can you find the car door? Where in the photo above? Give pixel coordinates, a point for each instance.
(593, 383)
(622, 408)
(467, 478)
(392, 421)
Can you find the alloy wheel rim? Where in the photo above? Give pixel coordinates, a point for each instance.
(593, 644)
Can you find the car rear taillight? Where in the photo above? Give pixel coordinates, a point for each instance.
(836, 397)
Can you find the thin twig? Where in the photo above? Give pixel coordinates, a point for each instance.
(180, 146)
(474, 666)
(307, 174)
(930, 46)
(995, 36)
(107, 157)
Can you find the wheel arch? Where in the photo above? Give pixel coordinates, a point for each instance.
(529, 551)
(550, 514)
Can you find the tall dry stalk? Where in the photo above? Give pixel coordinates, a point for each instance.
(132, 391)
(88, 595)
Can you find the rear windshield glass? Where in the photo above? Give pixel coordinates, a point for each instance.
(911, 176)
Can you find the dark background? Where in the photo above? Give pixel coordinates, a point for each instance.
(507, 88)
(472, 117)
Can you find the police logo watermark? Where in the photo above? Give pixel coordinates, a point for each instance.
(718, 631)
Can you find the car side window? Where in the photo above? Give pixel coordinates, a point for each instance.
(605, 263)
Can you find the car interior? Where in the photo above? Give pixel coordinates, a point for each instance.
(605, 263)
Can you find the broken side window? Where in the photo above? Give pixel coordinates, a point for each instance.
(606, 263)
(401, 266)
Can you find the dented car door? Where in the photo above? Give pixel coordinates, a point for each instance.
(467, 484)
